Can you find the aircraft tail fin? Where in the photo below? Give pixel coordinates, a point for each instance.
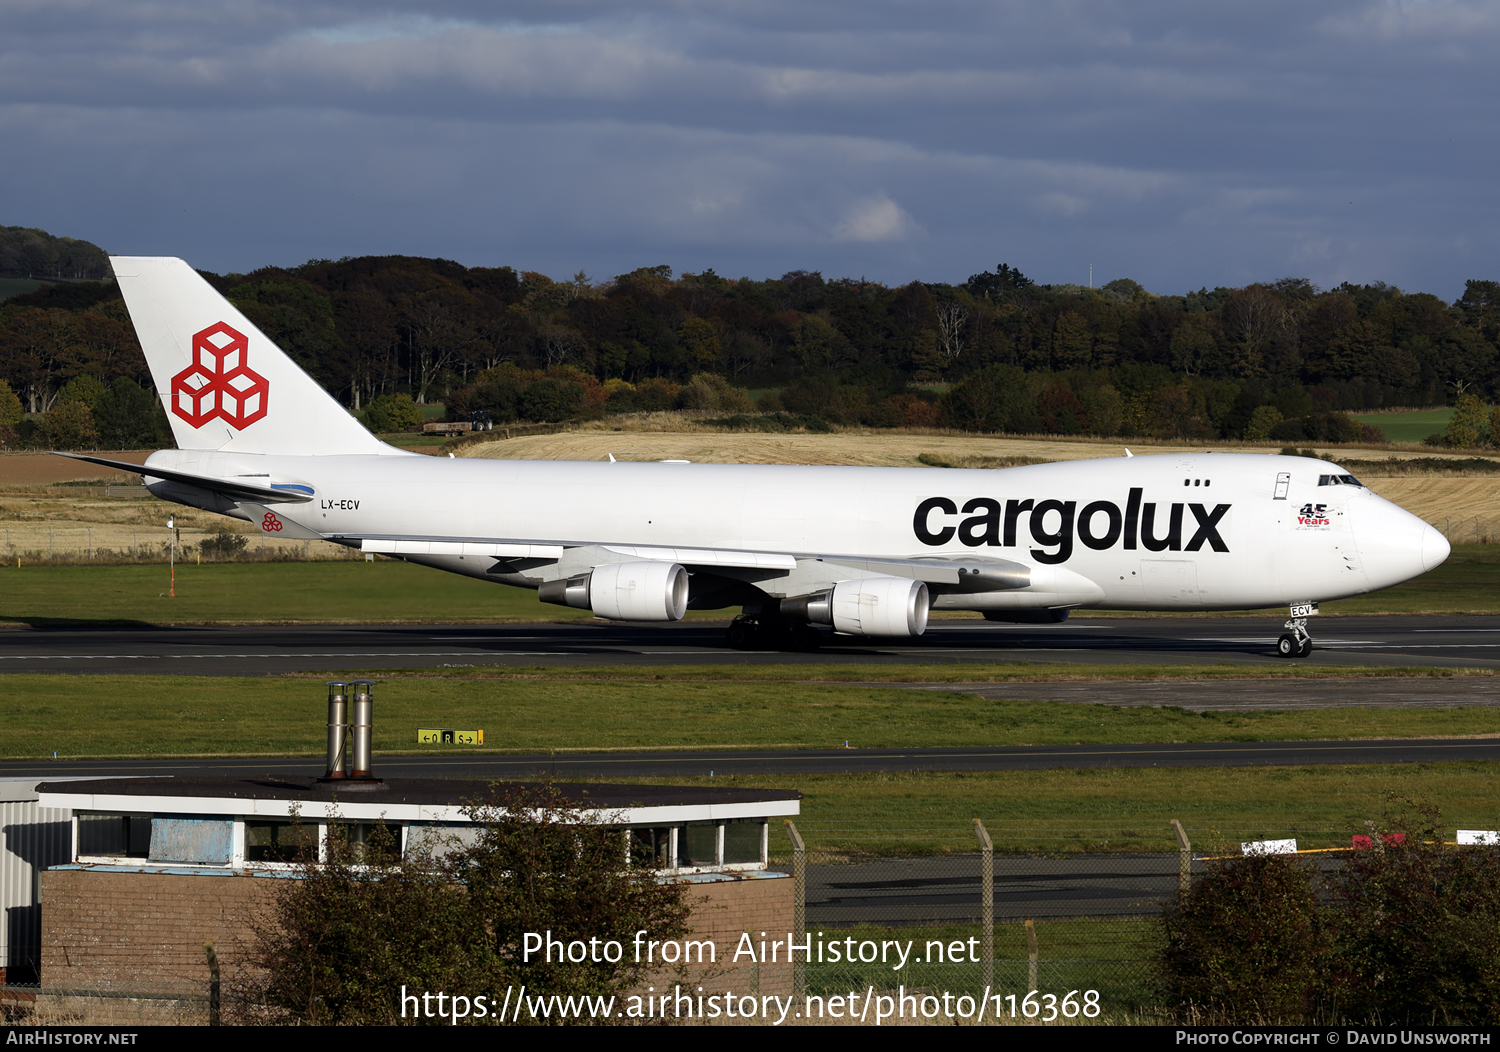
(224, 383)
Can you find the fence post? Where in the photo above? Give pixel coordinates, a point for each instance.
(1031, 953)
(987, 899)
(213, 984)
(799, 908)
(1185, 877)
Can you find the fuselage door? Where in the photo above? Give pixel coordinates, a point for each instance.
(1283, 481)
(1170, 582)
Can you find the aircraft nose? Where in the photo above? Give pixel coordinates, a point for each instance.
(1435, 548)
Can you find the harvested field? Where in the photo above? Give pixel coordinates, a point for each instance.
(896, 450)
(1437, 498)
(59, 509)
(41, 469)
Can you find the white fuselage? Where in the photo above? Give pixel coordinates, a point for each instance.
(1189, 531)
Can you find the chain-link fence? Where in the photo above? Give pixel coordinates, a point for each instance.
(57, 1006)
(1470, 529)
(1000, 906)
(983, 908)
(33, 543)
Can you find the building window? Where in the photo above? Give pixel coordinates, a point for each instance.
(743, 840)
(280, 841)
(651, 847)
(114, 836)
(698, 845)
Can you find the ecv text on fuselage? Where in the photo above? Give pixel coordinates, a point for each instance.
(1099, 524)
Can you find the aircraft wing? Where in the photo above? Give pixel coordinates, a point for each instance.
(802, 572)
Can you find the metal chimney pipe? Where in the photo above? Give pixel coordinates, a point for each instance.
(338, 730)
(361, 724)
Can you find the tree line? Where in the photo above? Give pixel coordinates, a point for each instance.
(1280, 360)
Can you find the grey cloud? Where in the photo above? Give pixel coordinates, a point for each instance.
(1172, 141)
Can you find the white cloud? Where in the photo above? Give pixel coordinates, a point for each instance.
(875, 218)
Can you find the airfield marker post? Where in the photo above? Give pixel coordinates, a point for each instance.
(1185, 877)
(1032, 957)
(799, 907)
(987, 899)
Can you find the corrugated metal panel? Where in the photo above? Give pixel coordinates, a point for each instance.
(33, 839)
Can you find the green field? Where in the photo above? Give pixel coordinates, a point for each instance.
(18, 287)
(82, 716)
(1062, 812)
(355, 591)
(1411, 427)
(339, 591)
(1051, 811)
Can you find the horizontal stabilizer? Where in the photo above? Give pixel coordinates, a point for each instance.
(234, 489)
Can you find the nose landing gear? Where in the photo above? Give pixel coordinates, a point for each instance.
(1297, 641)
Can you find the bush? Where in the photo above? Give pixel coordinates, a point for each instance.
(1468, 425)
(1261, 422)
(70, 425)
(1407, 932)
(1419, 928)
(340, 942)
(1321, 427)
(223, 543)
(1246, 942)
(11, 410)
(392, 412)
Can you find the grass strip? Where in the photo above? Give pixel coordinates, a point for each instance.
(872, 674)
(387, 591)
(159, 716)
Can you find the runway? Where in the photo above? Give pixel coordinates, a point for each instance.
(256, 650)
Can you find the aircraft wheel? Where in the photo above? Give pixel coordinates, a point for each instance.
(737, 636)
(1287, 647)
(1305, 649)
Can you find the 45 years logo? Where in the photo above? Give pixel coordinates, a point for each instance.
(1314, 516)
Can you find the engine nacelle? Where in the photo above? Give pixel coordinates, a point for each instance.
(880, 606)
(642, 591)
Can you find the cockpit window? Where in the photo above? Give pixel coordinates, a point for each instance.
(1339, 480)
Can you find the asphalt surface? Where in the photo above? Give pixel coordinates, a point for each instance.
(270, 650)
(794, 762)
(223, 650)
(946, 890)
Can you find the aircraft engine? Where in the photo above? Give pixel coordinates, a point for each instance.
(641, 591)
(880, 606)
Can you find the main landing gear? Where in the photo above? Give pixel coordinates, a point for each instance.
(744, 633)
(1296, 643)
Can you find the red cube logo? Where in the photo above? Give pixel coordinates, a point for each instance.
(219, 385)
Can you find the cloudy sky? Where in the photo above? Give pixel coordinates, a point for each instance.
(1176, 142)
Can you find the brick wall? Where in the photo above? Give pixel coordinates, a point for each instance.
(145, 931)
(725, 911)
